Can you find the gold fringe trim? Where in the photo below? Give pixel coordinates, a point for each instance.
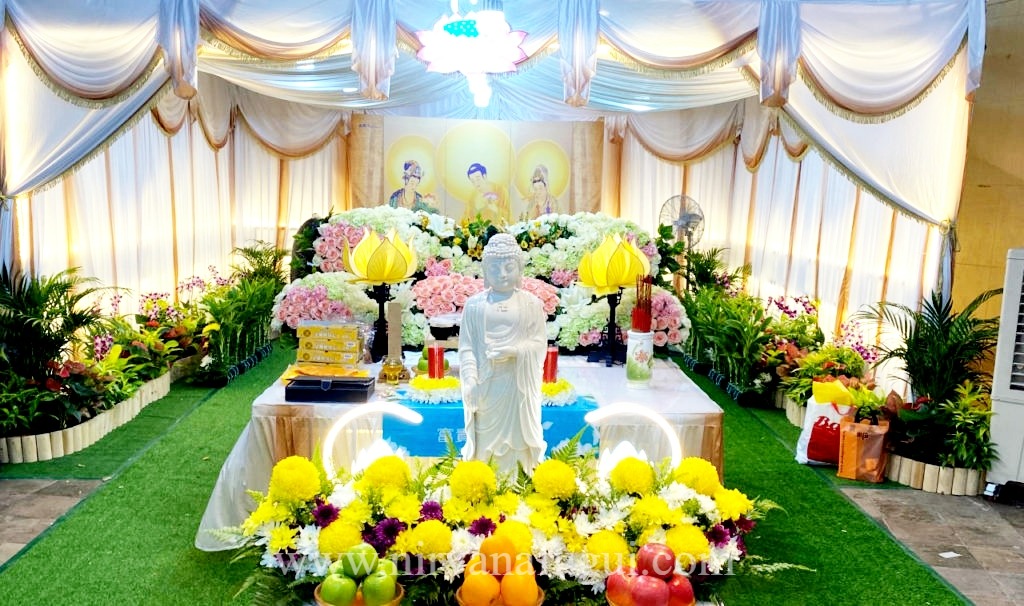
(69, 94)
(343, 45)
(837, 165)
(716, 61)
(278, 153)
(102, 147)
(223, 42)
(208, 136)
(864, 117)
(701, 154)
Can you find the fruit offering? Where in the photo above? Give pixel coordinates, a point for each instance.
(360, 578)
(654, 581)
(499, 575)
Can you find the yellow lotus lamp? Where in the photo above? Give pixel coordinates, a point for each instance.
(616, 263)
(379, 261)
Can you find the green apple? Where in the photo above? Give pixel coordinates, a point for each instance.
(359, 560)
(379, 588)
(336, 568)
(387, 566)
(338, 590)
(423, 365)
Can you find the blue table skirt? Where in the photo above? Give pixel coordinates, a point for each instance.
(442, 420)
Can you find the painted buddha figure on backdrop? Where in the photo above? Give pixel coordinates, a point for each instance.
(541, 201)
(489, 200)
(502, 345)
(407, 196)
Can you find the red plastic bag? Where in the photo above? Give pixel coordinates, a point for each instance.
(819, 440)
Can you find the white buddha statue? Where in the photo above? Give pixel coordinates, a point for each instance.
(502, 344)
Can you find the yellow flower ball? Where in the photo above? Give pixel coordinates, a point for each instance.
(473, 481)
(699, 474)
(294, 479)
(356, 513)
(632, 476)
(431, 539)
(518, 533)
(652, 511)
(607, 550)
(554, 479)
(688, 543)
(389, 471)
(404, 507)
(338, 537)
(458, 511)
(506, 502)
(281, 538)
(732, 503)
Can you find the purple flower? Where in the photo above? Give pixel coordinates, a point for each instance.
(431, 510)
(384, 534)
(719, 535)
(324, 513)
(482, 526)
(744, 525)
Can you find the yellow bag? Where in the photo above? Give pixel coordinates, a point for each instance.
(831, 391)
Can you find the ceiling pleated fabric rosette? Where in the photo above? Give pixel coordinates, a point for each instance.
(614, 264)
(379, 260)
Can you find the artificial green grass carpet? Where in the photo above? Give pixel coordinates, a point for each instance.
(131, 542)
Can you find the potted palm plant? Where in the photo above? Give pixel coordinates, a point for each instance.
(941, 351)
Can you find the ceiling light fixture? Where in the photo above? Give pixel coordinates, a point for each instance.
(476, 44)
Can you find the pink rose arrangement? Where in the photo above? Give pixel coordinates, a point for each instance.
(305, 303)
(547, 293)
(667, 319)
(445, 294)
(329, 245)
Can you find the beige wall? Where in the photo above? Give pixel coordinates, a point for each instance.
(991, 217)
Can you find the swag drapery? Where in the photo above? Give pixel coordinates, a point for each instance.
(712, 99)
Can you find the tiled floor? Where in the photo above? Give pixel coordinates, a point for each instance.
(976, 545)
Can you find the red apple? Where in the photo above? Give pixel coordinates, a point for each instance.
(657, 560)
(649, 591)
(680, 591)
(618, 585)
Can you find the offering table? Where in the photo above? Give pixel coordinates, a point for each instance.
(279, 429)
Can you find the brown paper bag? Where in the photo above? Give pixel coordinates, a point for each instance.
(862, 454)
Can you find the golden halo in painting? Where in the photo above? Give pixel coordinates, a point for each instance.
(404, 149)
(550, 155)
(473, 143)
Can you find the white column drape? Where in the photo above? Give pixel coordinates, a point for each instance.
(578, 26)
(374, 30)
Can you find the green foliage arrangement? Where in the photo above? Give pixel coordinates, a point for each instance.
(828, 361)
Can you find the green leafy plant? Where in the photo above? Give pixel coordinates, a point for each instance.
(671, 252)
(301, 264)
(967, 418)
(829, 361)
(42, 318)
(260, 261)
(740, 338)
(940, 349)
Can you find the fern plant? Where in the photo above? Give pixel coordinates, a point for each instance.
(261, 261)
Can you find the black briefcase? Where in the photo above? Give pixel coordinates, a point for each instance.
(329, 389)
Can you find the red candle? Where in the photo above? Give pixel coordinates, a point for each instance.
(435, 361)
(551, 365)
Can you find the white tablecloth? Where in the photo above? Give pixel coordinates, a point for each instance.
(279, 429)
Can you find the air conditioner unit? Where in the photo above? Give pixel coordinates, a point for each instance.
(1008, 377)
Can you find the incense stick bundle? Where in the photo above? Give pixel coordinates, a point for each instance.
(642, 310)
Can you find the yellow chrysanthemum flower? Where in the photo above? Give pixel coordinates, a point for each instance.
(688, 543)
(554, 479)
(545, 521)
(518, 533)
(473, 481)
(356, 513)
(293, 480)
(607, 551)
(732, 503)
(506, 502)
(425, 383)
(338, 537)
(404, 507)
(699, 474)
(430, 539)
(267, 511)
(554, 388)
(281, 537)
(389, 471)
(457, 510)
(651, 511)
(632, 476)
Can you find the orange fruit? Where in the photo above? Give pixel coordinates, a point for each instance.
(474, 564)
(519, 587)
(479, 589)
(498, 554)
